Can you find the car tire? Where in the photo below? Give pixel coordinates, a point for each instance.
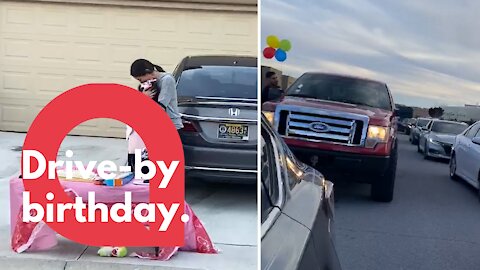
(453, 168)
(478, 186)
(425, 151)
(383, 187)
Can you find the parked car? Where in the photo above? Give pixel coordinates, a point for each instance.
(420, 123)
(437, 138)
(296, 210)
(403, 125)
(465, 161)
(218, 103)
(409, 124)
(344, 126)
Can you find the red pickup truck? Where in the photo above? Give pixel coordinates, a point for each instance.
(343, 126)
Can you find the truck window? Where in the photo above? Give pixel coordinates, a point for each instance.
(342, 89)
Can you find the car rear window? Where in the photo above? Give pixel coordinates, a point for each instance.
(448, 128)
(342, 89)
(422, 122)
(218, 81)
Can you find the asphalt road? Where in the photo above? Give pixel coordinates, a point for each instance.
(432, 223)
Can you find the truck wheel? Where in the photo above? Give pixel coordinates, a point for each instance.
(382, 188)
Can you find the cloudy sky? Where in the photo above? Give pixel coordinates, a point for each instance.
(428, 52)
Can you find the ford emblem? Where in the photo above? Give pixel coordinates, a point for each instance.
(319, 127)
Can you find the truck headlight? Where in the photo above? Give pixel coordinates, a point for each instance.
(269, 116)
(376, 134)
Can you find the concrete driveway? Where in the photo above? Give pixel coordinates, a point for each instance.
(229, 213)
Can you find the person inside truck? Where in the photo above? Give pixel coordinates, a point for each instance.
(272, 90)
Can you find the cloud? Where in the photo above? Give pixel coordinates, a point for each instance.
(428, 55)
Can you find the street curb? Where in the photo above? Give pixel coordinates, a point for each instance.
(8, 263)
(12, 263)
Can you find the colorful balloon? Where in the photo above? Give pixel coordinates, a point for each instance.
(285, 45)
(269, 52)
(273, 41)
(280, 55)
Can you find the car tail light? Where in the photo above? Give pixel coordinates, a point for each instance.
(188, 127)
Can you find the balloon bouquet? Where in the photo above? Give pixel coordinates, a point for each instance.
(277, 48)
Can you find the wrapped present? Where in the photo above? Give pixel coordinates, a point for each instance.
(120, 180)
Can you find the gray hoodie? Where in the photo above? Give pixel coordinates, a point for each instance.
(168, 98)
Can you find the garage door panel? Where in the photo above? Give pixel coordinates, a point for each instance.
(51, 85)
(14, 116)
(55, 18)
(17, 49)
(16, 82)
(52, 52)
(164, 24)
(18, 16)
(124, 54)
(89, 54)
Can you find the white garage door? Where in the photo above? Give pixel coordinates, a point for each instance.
(46, 49)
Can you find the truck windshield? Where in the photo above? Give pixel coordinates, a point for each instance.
(218, 81)
(448, 128)
(342, 89)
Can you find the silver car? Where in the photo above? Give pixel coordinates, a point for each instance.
(437, 138)
(218, 102)
(416, 129)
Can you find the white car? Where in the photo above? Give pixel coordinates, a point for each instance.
(465, 161)
(437, 138)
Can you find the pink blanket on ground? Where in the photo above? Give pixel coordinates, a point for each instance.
(38, 236)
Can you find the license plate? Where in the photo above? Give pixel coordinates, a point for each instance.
(233, 131)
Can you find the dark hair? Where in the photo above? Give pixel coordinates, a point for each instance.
(269, 74)
(141, 67)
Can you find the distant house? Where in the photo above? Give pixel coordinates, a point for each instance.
(420, 112)
(467, 113)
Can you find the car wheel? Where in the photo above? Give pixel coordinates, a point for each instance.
(453, 168)
(479, 186)
(425, 151)
(382, 188)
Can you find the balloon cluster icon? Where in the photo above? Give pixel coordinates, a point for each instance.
(277, 48)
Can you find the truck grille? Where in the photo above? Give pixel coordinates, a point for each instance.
(315, 125)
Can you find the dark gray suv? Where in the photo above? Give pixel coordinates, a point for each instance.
(217, 98)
